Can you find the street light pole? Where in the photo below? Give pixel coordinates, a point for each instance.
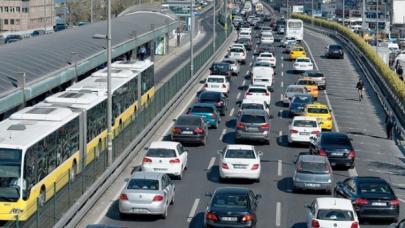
(191, 39)
(109, 92)
(44, 15)
(312, 11)
(226, 18)
(343, 15)
(288, 9)
(213, 29)
(376, 33)
(91, 11)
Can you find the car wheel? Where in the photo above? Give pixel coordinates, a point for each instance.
(204, 142)
(180, 176)
(172, 202)
(257, 180)
(164, 215)
(216, 125)
(295, 189)
(267, 141)
(123, 216)
(352, 166)
(335, 194)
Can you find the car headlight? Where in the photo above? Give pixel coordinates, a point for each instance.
(16, 211)
(329, 180)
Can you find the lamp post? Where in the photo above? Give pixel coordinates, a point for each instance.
(376, 31)
(226, 18)
(343, 14)
(213, 29)
(312, 11)
(191, 39)
(109, 92)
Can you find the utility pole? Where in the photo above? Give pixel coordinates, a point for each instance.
(91, 11)
(109, 92)
(312, 11)
(44, 15)
(213, 29)
(376, 31)
(343, 14)
(226, 18)
(191, 39)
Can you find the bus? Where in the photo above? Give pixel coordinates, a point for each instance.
(41, 145)
(295, 28)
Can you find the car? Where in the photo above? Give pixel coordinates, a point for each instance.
(147, 193)
(336, 146)
(253, 125)
(234, 65)
(292, 90)
(239, 161)
(208, 112)
(166, 157)
(253, 104)
(263, 75)
(296, 52)
(401, 224)
(310, 85)
(104, 226)
(303, 64)
(317, 76)
(247, 43)
(334, 51)
(287, 40)
(312, 172)
(289, 47)
(232, 206)
(240, 45)
(189, 129)
(221, 68)
(217, 83)
(322, 113)
(250, 18)
(267, 38)
(217, 98)
(372, 197)
(258, 92)
(12, 38)
(238, 54)
(302, 129)
(264, 48)
(267, 56)
(331, 212)
(265, 29)
(298, 103)
(38, 32)
(237, 20)
(281, 29)
(245, 34)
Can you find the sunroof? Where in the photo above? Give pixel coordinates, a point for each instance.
(17, 127)
(41, 110)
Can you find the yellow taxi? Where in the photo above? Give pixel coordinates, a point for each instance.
(310, 85)
(322, 114)
(296, 52)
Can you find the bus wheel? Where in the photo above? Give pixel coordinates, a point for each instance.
(42, 197)
(73, 172)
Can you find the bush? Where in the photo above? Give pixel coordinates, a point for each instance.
(392, 79)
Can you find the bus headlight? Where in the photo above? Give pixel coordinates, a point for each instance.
(16, 211)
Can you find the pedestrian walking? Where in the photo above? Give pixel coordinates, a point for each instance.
(389, 124)
(142, 53)
(360, 87)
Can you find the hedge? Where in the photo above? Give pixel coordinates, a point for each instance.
(392, 79)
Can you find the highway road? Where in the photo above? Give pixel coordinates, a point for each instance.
(279, 207)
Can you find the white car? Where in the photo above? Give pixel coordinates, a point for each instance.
(331, 212)
(239, 161)
(165, 157)
(267, 38)
(217, 83)
(238, 54)
(291, 91)
(288, 40)
(267, 56)
(262, 75)
(259, 93)
(302, 129)
(237, 45)
(253, 104)
(245, 34)
(303, 64)
(235, 67)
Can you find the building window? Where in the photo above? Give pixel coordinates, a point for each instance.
(12, 9)
(25, 10)
(17, 9)
(6, 21)
(17, 21)
(11, 21)
(1, 9)
(6, 9)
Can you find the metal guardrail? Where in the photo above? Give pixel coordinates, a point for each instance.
(389, 101)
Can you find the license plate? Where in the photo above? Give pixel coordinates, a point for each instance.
(312, 185)
(139, 210)
(187, 132)
(337, 154)
(229, 219)
(214, 86)
(239, 166)
(159, 169)
(304, 133)
(381, 204)
(252, 129)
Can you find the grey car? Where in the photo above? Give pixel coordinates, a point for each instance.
(147, 193)
(235, 67)
(291, 91)
(312, 172)
(253, 125)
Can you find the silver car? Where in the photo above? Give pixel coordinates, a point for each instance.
(235, 67)
(291, 91)
(317, 76)
(312, 172)
(147, 193)
(253, 124)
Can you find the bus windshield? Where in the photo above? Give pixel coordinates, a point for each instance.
(10, 167)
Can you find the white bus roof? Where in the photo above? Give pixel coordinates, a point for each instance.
(29, 125)
(76, 99)
(133, 64)
(116, 73)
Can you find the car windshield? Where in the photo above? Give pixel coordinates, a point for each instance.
(257, 90)
(315, 74)
(220, 67)
(10, 163)
(238, 50)
(295, 90)
(204, 97)
(161, 153)
(143, 184)
(215, 80)
(252, 106)
(262, 64)
(313, 167)
(188, 120)
(335, 140)
(335, 47)
(335, 215)
(240, 154)
(375, 188)
(266, 55)
(202, 109)
(302, 99)
(304, 123)
(318, 110)
(253, 118)
(306, 82)
(230, 201)
(298, 49)
(303, 61)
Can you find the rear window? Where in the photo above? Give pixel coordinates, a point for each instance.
(335, 47)
(215, 80)
(230, 201)
(315, 74)
(210, 96)
(304, 123)
(188, 121)
(335, 140)
(302, 99)
(240, 154)
(313, 167)
(374, 188)
(253, 119)
(257, 90)
(335, 215)
(252, 106)
(298, 49)
(202, 109)
(237, 49)
(220, 67)
(261, 80)
(143, 184)
(262, 64)
(306, 82)
(295, 90)
(318, 110)
(161, 153)
(303, 60)
(266, 55)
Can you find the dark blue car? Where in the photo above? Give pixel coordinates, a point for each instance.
(298, 103)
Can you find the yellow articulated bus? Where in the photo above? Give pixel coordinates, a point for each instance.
(39, 145)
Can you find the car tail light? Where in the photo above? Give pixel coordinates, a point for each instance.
(352, 154)
(292, 131)
(361, 201)
(225, 166)
(123, 197)
(176, 130)
(266, 94)
(199, 131)
(223, 86)
(265, 126)
(315, 224)
(158, 198)
(240, 126)
(322, 152)
(329, 118)
(315, 133)
(205, 85)
(355, 225)
(211, 216)
(255, 166)
(248, 93)
(213, 115)
(220, 103)
(247, 218)
(147, 160)
(174, 161)
(395, 202)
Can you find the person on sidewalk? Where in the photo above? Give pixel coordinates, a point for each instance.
(389, 124)
(360, 87)
(142, 53)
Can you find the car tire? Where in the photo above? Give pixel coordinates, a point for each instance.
(295, 189)
(172, 201)
(267, 141)
(216, 125)
(257, 180)
(204, 142)
(123, 216)
(165, 213)
(352, 166)
(180, 176)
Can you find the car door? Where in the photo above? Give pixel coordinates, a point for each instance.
(165, 189)
(183, 155)
(310, 213)
(170, 188)
(253, 202)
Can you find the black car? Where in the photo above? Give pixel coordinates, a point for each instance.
(12, 38)
(334, 51)
(372, 197)
(216, 98)
(190, 129)
(298, 103)
(38, 33)
(221, 68)
(245, 41)
(232, 207)
(264, 48)
(336, 146)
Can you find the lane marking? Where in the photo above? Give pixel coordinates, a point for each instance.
(281, 97)
(280, 133)
(244, 83)
(278, 214)
(222, 134)
(250, 64)
(238, 96)
(232, 111)
(247, 72)
(332, 113)
(253, 57)
(280, 168)
(212, 161)
(403, 201)
(280, 114)
(282, 65)
(282, 73)
(310, 53)
(193, 210)
(282, 84)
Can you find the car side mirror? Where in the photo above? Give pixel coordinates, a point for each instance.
(308, 206)
(146, 148)
(174, 120)
(258, 196)
(208, 194)
(260, 153)
(330, 110)
(220, 152)
(202, 81)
